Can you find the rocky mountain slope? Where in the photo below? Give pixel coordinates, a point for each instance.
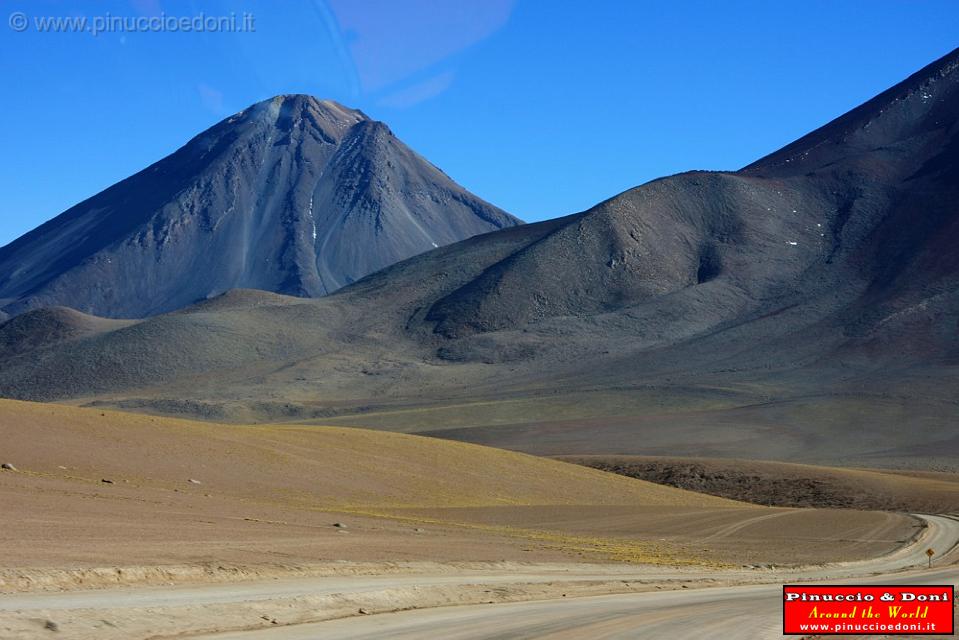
(803, 308)
(293, 195)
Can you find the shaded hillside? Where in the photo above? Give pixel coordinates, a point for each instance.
(800, 310)
(293, 195)
(791, 485)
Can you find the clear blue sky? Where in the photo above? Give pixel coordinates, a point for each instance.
(543, 108)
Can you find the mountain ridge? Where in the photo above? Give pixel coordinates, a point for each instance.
(863, 115)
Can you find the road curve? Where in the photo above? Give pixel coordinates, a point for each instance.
(746, 612)
(735, 613)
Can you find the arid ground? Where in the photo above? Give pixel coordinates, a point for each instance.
(131, 526)
(98, 488)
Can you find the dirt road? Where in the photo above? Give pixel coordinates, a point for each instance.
(662, 608)
(746, 612)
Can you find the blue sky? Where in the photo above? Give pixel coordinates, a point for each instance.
(543, 108)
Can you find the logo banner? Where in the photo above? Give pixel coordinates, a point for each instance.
(867, 610)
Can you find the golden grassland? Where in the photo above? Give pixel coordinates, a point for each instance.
(328, 467)
(96, 487)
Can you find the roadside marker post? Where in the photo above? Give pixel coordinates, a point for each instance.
(929, 554)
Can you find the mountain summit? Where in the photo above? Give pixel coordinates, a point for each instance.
(293, 195)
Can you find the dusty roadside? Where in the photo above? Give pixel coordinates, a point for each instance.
(133, 613)
(165, 613)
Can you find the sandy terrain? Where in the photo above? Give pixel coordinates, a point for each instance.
(267, 499)
(248, 515)
(553, 597)
(727, 535)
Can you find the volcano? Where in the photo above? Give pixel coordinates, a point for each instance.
(293, 195)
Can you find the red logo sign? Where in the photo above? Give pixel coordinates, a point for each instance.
(867, 610)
